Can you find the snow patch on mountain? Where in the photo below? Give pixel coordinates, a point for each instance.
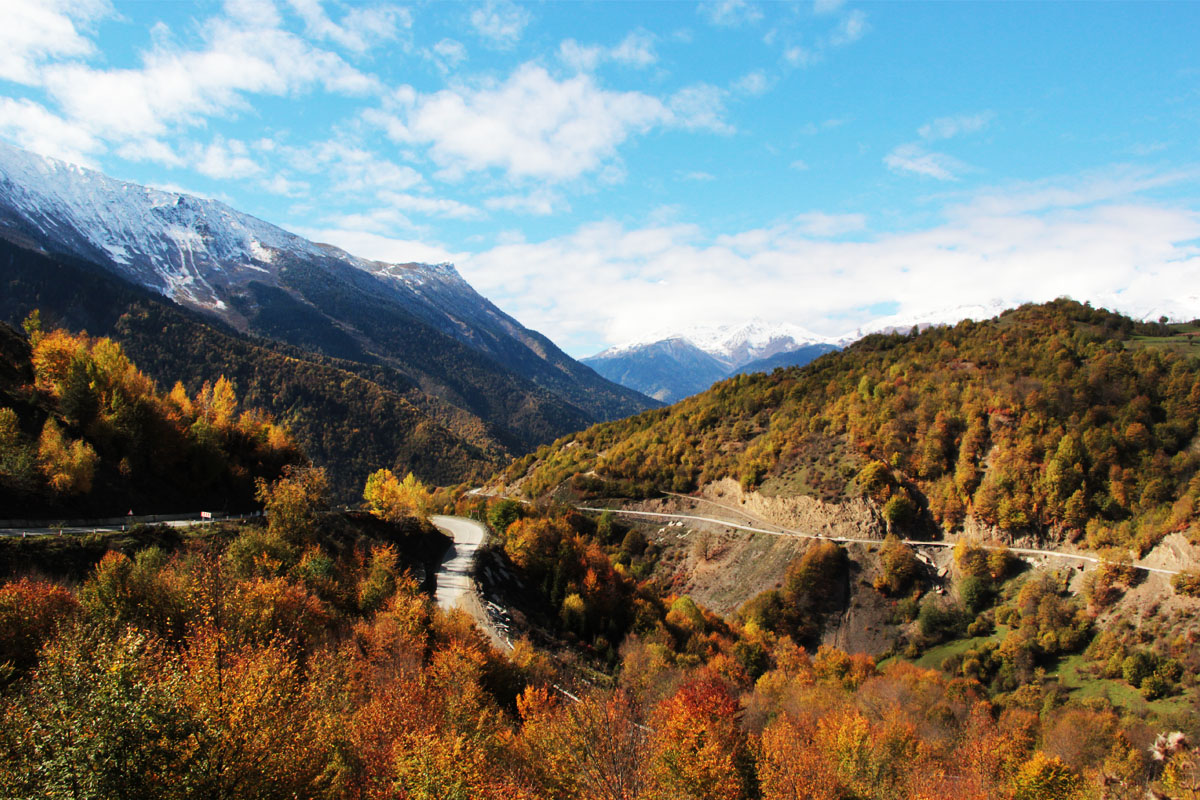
(733, 345)
(192, 249)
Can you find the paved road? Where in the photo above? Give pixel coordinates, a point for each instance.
(455, 587)
(454, 582)
(82, 529)
(780, 531)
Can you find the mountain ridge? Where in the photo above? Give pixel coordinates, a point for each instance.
(688, 362)
(214, 259)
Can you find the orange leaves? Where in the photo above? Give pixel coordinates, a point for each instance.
(791, 767)
(30, 611)
(292, 502)
(532, 543)
(52, 357)
(274, 610)
(698, 749)
(262, 734)
(592, 749)
(68, 466)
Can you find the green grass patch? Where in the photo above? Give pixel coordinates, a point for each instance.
(1076, 674)
(934, 656)
(1184, 341)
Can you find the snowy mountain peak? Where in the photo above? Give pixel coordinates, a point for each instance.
(191, 249)
(733, 345)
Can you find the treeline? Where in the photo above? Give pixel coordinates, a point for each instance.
(289, 660)
(1046, 419)
(84, 432)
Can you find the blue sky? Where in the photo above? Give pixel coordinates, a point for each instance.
(603, 171)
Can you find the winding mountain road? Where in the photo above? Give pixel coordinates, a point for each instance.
(781, 531)
(454, 582)
(455, 585)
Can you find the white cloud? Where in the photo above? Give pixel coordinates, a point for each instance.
(813, 128)
(448, 54)
(826, 6)
(949, 127)
(1055, 193)
(500, 22)
(635, 50)
(538, 203)
(224, 158)
(799, 56)
(852, 28)
(580, 57)
(361, 29)
(430, 206)
(753, 83)
(284, 186)
(243, 53)
(382, 248)
(915, 159)
(352, 169)
(822, 225)
(731, 13)
(377, 220)
(150, 149)
(799, 165)
(33, 127)
(533, 126)
(611, 283)
(700, 106)
(36, 30)
(697, 175)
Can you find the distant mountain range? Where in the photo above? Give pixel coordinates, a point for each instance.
(414, 331)
(669, 367)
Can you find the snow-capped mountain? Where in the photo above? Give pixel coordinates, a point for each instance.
(732, 345)
(667, 370)
(422, 319)
(671, 366)
(199, 252)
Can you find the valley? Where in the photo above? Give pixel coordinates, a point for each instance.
(1002, 512)
(628, 401)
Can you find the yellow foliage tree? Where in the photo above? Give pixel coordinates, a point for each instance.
(1045, 777)
(392, 499)
(217, 403)
(17, 462)
(67, 466)
(292, 502)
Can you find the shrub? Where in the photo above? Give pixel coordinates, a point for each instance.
(1187, 583)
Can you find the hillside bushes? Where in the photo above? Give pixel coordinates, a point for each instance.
(1046, 418)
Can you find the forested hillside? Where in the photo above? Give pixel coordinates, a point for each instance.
(1050, 419)
(351, 416)
(301, 659)
(83, 432)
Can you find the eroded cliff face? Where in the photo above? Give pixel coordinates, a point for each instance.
(852, 519)
(721, 566)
